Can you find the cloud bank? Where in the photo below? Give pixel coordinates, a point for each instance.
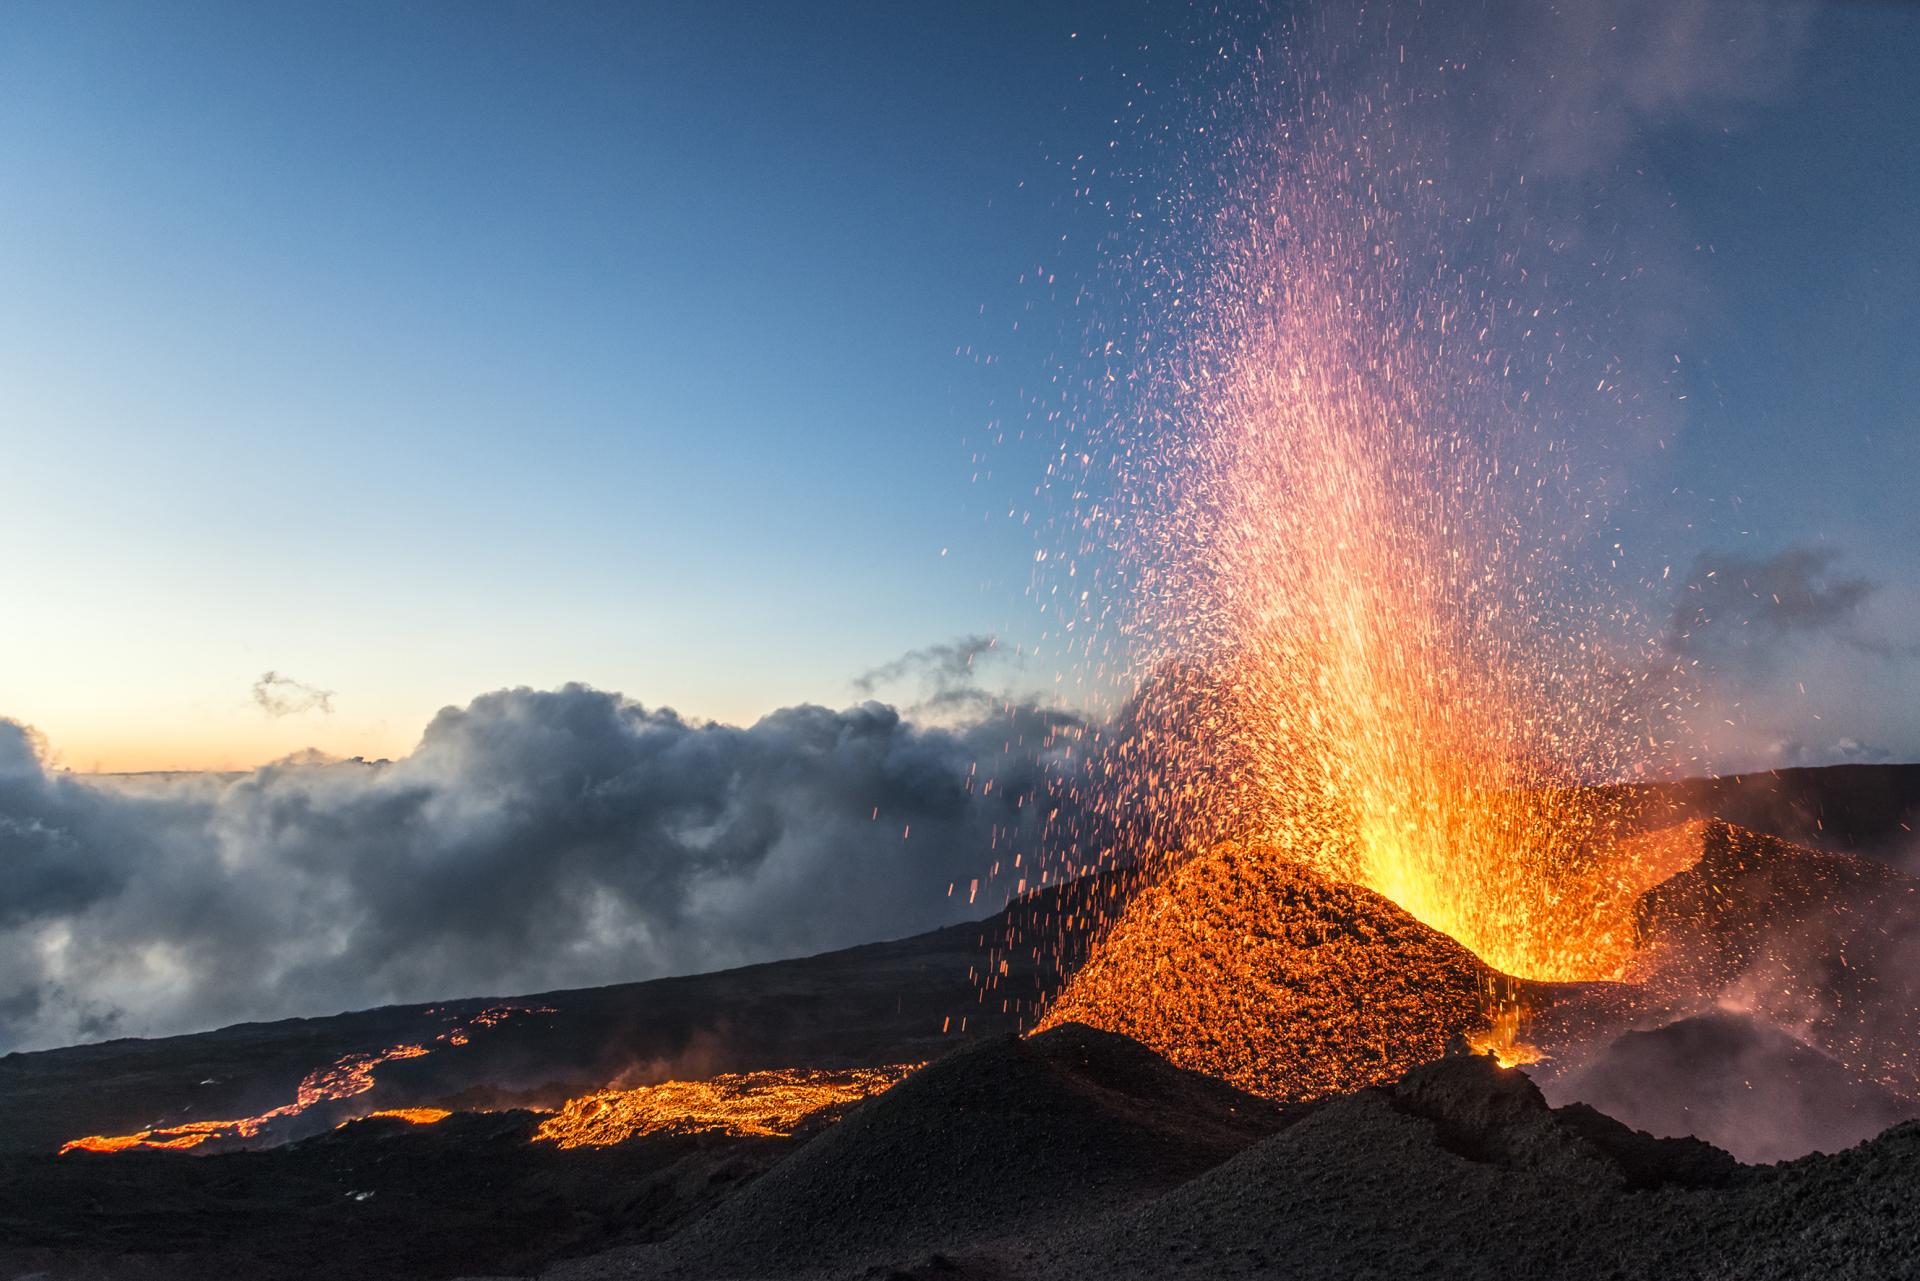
(533, 840)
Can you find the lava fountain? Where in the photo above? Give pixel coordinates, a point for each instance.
(1359, 580)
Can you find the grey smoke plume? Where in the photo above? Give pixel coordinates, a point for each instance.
(533, 840)
(1796, 659)
(279, 695)
(947, 674)
(1581, 82)
(1744, 609)
(1737, 1083)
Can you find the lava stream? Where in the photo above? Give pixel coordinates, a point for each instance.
(345, 1078)
(762, 1103)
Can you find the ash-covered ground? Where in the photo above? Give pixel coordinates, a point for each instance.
(1780, 1024)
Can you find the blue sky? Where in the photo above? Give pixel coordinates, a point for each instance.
(420, 350)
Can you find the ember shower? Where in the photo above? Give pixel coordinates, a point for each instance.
(1354, 572)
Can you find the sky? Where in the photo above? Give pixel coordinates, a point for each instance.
(411, 352)
(466, 384)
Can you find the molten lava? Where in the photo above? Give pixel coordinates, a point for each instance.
(347, 1077)
(764, 1103)
(412, 1116)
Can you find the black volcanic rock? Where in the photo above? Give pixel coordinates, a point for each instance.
(1005, 1136)
(1061, 1158)
(991, 1169)
(375, 1199)
(1461, 1172)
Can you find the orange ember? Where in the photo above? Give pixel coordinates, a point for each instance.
(1371, 640)
(1503, 1038)
(764, 1103)
(1261, 972)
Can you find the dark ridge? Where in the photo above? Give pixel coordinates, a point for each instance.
(1872, 810)
(1006, 1135)
(1498, 1116)
(1460, 1171)
(375, 1199)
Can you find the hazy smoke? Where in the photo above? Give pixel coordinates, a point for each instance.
(1743, 610)
(278, 695)
(947, 674)
(1741, 1085)
(1797, 662)
(533, 840)
(1581, 82)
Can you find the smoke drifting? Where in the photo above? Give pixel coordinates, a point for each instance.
(1744, 610)
(1582, 82)
(1741, 1085)
(947, 673)
(279, 695)
(534, 839)
(1798, 660)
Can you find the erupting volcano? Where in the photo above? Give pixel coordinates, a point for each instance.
(1345, 876)
(1376, 644)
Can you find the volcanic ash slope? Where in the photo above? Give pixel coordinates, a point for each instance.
(1462, 1171)
(1255, 970)
(1004, 1138)
(1076, 1156)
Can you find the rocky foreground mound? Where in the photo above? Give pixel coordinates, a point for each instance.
(1075, 1154)
(1009, 1136)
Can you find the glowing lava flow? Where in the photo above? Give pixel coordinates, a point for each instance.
(345, 1078)
(412, 1116)
(764, 1103)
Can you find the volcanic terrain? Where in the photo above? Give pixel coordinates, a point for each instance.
(1282, 1084)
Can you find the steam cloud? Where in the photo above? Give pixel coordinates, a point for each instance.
(533, 840)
